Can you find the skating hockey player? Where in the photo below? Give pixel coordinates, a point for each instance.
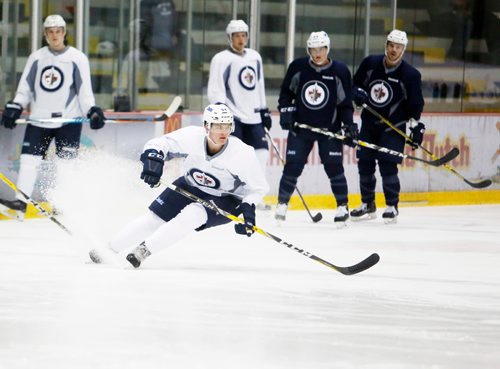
(236, 79)
(393, 88)
(218, 167)
(316, 91)
(56, 84)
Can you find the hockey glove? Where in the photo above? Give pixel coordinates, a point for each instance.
(359, 96)
(287, 117)
(248, 212)
(11, 113)
(152, 167)
(97, 118)
(265, 116)
(416, 134)
(350, 133)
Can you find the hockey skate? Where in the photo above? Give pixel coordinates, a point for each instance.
(13, 209)
(280, 214)
(341, 216)
(390, 215)
(364, 212)
(138, 255)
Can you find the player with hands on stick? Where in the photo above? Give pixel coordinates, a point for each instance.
(212, 170)
(316, 91)
(56, 84)
(390, 87)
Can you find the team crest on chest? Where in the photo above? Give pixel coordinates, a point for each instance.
(315, 95)
(380, 93)
(204, 179)
(248, 77)
(51, 78)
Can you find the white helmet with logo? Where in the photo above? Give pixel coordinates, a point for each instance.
(218, 113)
(398, 37)
(318, 39)
(236, 25)
(54, 20)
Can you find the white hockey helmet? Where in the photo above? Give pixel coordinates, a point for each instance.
(236, 25)
(398, 37)
(54, 20)
(218, 113)
(318, 39)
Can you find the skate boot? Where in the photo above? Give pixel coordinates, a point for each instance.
(18, 206)
(364, 211)
(341, 216)
(281, 212)
(138, 255)
(390, 215)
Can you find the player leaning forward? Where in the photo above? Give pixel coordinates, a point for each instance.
(217, 167)
(56, 84)
(316, 91)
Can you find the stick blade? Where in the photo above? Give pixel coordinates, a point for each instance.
(174, 105)
(361, 266)
(316, 218)
(481, 184)
(449, 156)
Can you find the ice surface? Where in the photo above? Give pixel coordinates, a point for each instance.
(218, 300)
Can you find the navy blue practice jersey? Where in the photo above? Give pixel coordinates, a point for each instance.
(395, 93)
(322, 95)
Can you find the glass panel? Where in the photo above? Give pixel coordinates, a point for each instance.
(456, 47)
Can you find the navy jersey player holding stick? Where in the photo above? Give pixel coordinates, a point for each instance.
(393, 88)
(316, 91)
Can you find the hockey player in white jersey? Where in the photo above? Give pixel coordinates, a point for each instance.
(217, 167)
(55, 84)
(237, 79)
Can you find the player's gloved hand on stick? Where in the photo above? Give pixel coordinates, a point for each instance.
(265, 116)
(97, 118)
(152, 167)
(350, 133)
(417, 130)
(359, 96)
(11, 113)
(248, 212)
(287, 117)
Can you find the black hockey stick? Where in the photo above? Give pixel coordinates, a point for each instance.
(452, 154)
(476, 184)
(349, 270)
(174, 105)
(39, 207)
(315, 218)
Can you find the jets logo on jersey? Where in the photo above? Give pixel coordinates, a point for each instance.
(315, 95)
(248, 78)
(380, 93)
(204, 179)
(51, 78)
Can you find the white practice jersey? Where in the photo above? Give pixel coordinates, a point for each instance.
(57, 85)
(238, 81)
(234, 170)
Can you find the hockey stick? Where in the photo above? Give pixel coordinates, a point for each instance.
(452, 154)
(34, 203)
(315, 218)
(349, 270)
(174, 105)
(476, 184)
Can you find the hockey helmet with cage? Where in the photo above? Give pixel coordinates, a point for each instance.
(236, 25)
(318, 39)
(54, 20)
(218, 113)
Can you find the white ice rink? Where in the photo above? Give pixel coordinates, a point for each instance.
(218, 300)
